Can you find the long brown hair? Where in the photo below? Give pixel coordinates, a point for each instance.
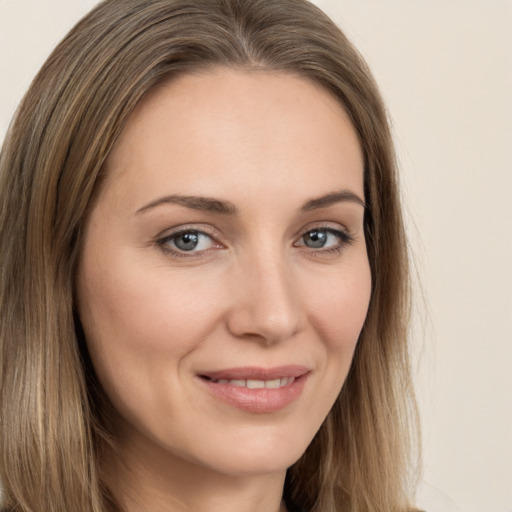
(53, 433)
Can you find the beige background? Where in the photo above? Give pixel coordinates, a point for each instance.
(445, 69)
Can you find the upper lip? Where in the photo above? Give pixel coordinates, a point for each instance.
(257, 373)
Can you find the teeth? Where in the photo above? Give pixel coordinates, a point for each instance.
(257, 384)
(273, 384)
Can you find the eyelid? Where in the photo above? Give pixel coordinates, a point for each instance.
(346, 238)
(332, 227)
(204, 229)
(162, 240)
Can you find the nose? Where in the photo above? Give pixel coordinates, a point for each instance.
(266, 305)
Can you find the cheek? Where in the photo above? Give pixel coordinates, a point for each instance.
(140, 308)
(339, 309)
(141, 322)
(338, 314)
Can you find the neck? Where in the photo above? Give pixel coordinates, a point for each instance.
(144, 478)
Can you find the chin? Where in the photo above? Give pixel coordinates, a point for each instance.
(265, 454)
(260, 465)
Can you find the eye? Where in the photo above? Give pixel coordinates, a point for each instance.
(325, 238)
(319, 238)
(189, 240)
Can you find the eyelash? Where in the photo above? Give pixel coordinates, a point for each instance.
(345, 240)
(163, 243)
(344, 237)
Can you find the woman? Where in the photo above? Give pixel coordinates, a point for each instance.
(204, 269)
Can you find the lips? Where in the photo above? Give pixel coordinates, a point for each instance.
(257, 390)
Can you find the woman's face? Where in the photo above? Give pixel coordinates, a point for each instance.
(224, 278)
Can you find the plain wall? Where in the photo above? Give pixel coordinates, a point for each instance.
(445, 70)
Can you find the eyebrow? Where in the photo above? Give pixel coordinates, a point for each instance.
(206, 204)
(223, 207)
(333, 198)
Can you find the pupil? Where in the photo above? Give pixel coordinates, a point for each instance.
(187, 241)
(316, 239)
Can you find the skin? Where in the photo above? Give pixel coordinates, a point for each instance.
(254, 292)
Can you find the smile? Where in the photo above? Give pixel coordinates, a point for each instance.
(257, 384)
(257, 390)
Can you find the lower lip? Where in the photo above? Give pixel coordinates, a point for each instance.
(263, 400)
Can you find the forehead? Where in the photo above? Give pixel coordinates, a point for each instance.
(223, 126)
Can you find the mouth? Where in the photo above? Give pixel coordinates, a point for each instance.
(257, 390)
(254, 383)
